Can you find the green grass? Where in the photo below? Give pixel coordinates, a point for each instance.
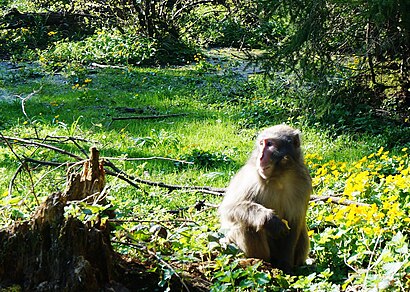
(210, 132)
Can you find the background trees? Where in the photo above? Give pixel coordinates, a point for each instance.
(345, 49)
(349, 53)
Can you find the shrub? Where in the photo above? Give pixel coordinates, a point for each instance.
(106, 48)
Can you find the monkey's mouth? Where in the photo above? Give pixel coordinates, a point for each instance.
(264, 171)
(265, 168)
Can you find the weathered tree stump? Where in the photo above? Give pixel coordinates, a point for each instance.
(51, 252)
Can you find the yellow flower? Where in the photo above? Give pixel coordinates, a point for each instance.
(406, 171)
(51, 33)
(340, 215)
(336, 173)
(358, 165)
(329, 217)
(368, 230)
(384, 156)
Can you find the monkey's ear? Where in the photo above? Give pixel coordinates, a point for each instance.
(296, 138)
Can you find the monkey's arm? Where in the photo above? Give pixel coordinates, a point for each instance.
(246, 213)
(249, 215)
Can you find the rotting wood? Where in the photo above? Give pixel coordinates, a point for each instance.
(51, 252)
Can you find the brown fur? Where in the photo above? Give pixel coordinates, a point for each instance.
(274, 184)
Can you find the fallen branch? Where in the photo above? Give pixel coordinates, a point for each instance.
(152, 221)
(64, 139)
(13, 178)
(135, 181)
(47, 146)
(23, 165)
(97, 65)
(202, 189)
(336, 200)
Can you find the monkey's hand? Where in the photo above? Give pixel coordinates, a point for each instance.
(276, 227)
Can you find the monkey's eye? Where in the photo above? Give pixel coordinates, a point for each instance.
(266, 143)
(269, 143)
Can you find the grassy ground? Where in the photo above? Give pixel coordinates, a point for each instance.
(208, 132)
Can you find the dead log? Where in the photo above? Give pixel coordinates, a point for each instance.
(51, 252)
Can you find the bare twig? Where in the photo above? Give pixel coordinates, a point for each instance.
(30, 142)
(19, 168)
(337, 200)
(152, 221)
(63, 139)
(122, 177)
(202, 189)
(23, 107)
(23, 164)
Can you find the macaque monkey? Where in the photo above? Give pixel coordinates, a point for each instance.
(264, 209)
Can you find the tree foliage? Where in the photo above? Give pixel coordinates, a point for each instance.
(341, 46)
(342, 51)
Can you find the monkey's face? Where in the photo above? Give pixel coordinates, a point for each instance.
(276, 152)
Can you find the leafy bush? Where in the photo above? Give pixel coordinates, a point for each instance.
(20, 43)
(106, 48)
(117, 49)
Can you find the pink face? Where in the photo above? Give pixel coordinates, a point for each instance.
(276, 148)
(268, 149)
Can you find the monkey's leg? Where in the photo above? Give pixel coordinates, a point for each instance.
(283, 251)
(302, 248)
(253, 244)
